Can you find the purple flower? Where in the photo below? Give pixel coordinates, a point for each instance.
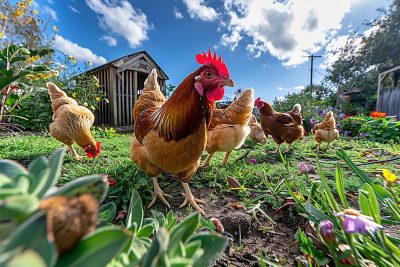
(312, 121)
(303, 167)
(326, 232)
(355, 222)
(341, 115)
(346, 133)
(252, 160)
(330, 108)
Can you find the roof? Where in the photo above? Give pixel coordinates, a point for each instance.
(123, 62)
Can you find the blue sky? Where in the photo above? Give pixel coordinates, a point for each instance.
(263, 42)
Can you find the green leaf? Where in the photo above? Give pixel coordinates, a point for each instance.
(185, 228)
(145, 231)
(135, 211)
(18, 207)
(340, 186)
(95, 184)
(96, 248)
(110, 209)
(11, 168)
(373, 203)
(329, 196)
(157, 249)
(33, 234)
(212, 244)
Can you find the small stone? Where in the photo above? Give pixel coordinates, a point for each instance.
(237, 222)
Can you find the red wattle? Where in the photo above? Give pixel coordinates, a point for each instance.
(216, 94)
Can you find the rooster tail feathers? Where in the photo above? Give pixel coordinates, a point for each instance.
(58, 97)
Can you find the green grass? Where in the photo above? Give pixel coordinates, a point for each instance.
(259, 179)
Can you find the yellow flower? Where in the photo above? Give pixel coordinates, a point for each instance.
(98, 99)
(2, 16)
(390, 177)
(22, 4)
(73, 59)
(17, 13)
(55, 72)
(55, 28)
(32, 59)
(92, 108)
(1, 35)
(95, 78)
(35, 12)
(74, 94)
(85, 104)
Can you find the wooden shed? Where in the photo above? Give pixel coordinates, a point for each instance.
(122, 80)
(388, 99)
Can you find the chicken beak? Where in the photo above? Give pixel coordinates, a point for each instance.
(227, 82)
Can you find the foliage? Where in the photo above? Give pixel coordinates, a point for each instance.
(352, 125)
(24, 226)
(377, 246)
(307, 246)
(381, 130)
(104, 133)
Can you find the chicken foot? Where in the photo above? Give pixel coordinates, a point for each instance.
(190, 199)
(159, 193)
(276, 150)
(226, 157)
(74, 153)
(288, 148)
(206, 163)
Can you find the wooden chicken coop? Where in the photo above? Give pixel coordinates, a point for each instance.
(389, 92)
(122, 81)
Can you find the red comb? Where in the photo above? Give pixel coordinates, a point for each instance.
(210, 59)
(258, 100)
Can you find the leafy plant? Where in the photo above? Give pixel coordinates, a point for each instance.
(381, 130)
(307, 246)
(352, 125)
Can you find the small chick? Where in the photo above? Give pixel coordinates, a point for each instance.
(256, 132)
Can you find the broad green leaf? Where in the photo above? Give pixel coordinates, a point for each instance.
(191, 248)
(185, 228)
(329, 196)
(157, 249)
(364, 205)
(11, 168)
(212, 244)
(340, 186)
(110, 209)
(135, 211)
(145, 231)
(96, 248)
(33, 234)
(373, 203)
(18, 207)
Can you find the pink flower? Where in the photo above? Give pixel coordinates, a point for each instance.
(355, 222)
(303, 167)
(252, 160)
(326, 232)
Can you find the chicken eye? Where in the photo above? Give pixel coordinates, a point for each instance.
(208, 74)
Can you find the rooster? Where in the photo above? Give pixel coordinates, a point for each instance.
(170, 135)
(229, 128)
(71, 123)
(283, 127)
(325, 131)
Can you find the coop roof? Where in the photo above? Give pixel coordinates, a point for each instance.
(140, 61)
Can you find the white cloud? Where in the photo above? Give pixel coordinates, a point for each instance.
(289, 30)
(198, 10)
(50, 1)
(109, 40)
(120, 17)
(177, 13)
(74, 9)
(294, 88)
(51, 12)
(80, 53)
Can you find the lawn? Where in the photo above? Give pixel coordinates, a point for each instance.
(263, 189)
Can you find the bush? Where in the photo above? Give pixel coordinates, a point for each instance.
(381, 130)
(352, 125)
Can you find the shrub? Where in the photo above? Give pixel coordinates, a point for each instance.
(381, 130)
(352, 125)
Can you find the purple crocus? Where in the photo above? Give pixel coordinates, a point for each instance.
(326, 232)
(303, 167)
(252, 160)
(346, 133)
(355, 222)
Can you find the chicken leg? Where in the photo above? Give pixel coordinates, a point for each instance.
(318, 146)
(158, 193)
(206, 163)
(190, 199)
(74, 153)
(288, 148)
(276, 150)
(226, 157)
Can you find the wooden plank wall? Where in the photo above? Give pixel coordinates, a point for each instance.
(103, 113)
(389, 101)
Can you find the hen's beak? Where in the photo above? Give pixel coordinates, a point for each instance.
(227, 82)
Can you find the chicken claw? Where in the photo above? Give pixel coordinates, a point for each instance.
(159, 193)
(276, 150)
(74, 153)
(190, 199)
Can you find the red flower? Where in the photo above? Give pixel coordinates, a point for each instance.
(111, 181)
(377, 114)
(346, 116)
